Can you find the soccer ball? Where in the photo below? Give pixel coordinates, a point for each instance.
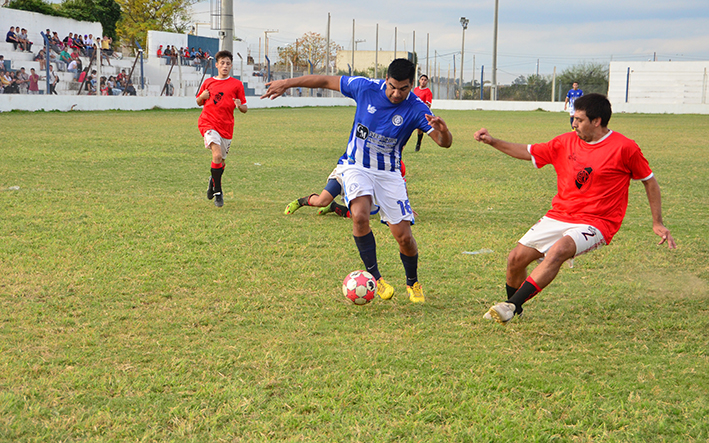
(359, 287)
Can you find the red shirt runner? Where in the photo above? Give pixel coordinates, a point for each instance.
(218, 109)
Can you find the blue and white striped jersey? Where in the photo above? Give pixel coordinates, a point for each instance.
(381, 128)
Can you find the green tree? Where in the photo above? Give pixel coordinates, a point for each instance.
(592, 77)
(140, 16)
(107, 12)
(311, 47)
(40, 6)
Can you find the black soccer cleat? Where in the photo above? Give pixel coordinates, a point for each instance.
(210, 189)
(218, 199)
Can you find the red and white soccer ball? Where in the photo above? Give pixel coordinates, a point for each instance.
(359, 287)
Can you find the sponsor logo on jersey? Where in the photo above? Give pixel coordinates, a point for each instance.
(371, 109)
(362, 132)
(397, 120)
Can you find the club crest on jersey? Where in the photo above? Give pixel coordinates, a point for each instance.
(371, 109)
(218, 97)
(362, 132)
(583, 177)
(397, 120)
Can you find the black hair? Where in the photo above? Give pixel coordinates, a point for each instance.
(224, 54)
(422, 76)
(595, 106)
(401, 69)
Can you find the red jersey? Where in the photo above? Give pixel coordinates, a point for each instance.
(425, 95)
(218, 110)
(592, 179)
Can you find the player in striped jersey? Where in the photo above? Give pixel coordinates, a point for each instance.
(387, 113)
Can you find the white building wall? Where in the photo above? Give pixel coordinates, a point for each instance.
(658, 83)
(36, 23)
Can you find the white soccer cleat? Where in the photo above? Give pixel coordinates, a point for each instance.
(502, 313)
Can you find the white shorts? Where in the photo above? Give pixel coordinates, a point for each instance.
(548, 231)
(387, 188)
(336, 174)
(212, 136)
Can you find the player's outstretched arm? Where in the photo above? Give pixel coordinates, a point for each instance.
(440, 134)
(241, 106)
(516, 150)
(652, 189)
(277, 88)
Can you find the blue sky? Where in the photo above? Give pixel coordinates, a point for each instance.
(544, 33)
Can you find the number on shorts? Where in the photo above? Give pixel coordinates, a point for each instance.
(405, 207)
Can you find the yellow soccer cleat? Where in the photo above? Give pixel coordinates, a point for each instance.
(385, 291)
(416, 293)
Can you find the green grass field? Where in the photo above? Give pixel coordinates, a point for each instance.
(132, 309)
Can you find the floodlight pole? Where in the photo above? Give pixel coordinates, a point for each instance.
(493, 94)
(464, 23)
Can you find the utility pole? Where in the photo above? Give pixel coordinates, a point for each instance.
(464, 23)
(376, 54)
(494, 55)
(265, 41)
(353, 46)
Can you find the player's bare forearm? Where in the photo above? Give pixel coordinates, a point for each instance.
(243, 108)
(516, 150)
(201, 98)
(440, 134)
(277, 88)
(654, 198)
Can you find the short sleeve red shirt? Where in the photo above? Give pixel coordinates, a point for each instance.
(592, 179)
(218, 110)
(425, 95)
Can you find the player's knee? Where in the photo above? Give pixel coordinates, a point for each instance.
(517, 259)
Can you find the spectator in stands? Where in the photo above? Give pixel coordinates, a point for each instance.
(104, 88)
(79, 42)
(167, 54)
(65, 56)
(169, 88)
(53, 80)
(160, 51)
(25, 39)
(12, 38)
(42, 59)
(121, 78)
(23, 81)
(53, 58)
(5, 82)
(68, 41)
(74, 68)
(114, 86)
(89, 45)
(2, 63)
(130, 89)
(83, 75)
(33, 82)
(107, 46)
(75, 54)
(55, 44)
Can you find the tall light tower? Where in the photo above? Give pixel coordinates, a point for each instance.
(464, 23)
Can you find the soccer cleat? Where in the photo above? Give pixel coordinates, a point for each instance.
(292, 207)
(210, 189)
(326, 210)
(418, 147)
(502, 313)
(218, 199)
(416, 293)
(385, 291)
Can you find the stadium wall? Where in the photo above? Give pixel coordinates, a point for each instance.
(663, 84)
(19, 102)
(35, 23)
